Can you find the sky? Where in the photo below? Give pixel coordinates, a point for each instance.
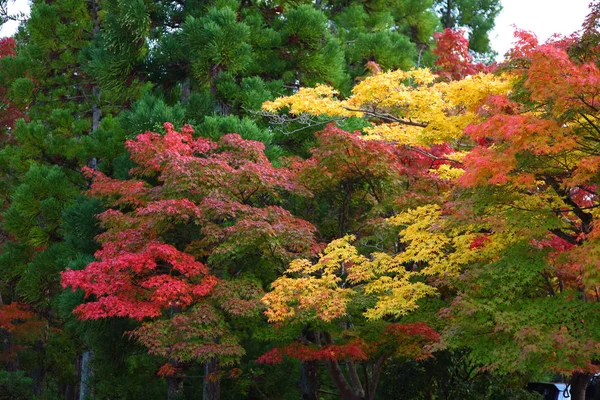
(543, 17)
(14, 7)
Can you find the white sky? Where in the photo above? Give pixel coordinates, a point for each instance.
(14, 7)
(543, 17)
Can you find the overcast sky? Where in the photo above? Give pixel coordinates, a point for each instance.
(543, 17)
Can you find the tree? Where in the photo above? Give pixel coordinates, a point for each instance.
(536, 166)
(205, 200)
(454, 60)
(477, 15)
(360, 181)
(331, 295)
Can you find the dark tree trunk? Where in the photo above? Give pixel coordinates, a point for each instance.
(373, 381)
(69, 391)
(212, 380)
(39, 373)
(579, 383)
(72, 390)
(12, 364)
(345, 209)
(96, 112)
(447, 15)
(346, 391)
(174, 388)
(309, 380)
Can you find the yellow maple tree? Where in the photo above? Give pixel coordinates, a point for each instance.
(323, 290)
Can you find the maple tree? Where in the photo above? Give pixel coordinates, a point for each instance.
(221, 190)
(371, 178)
(329, 295)
(535, 169)
(454, 60)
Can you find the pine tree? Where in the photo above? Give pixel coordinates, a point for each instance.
(477, 15)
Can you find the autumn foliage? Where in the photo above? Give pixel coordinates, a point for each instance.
(461, 216)
(454, 60)
(224, 191)
(400, 340)
(521, 166)
(350, 229)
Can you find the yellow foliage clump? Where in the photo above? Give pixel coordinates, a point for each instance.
(408, 107)
(324, 289)
(441, 249)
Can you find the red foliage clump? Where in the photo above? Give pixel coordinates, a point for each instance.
(454, 60)
(410, 340)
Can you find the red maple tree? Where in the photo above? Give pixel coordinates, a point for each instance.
(192, 203)
(454, 61)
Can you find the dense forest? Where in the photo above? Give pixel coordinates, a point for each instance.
(307, 200)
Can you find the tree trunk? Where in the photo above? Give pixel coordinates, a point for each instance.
(39, 372)
(96, 111)
(354, 379)
(309, 380)
(309, 370)
(12, 364)
(186, 91)
(345, 209)
(212, 380)
(447, 19)
(174, 388)
(346, 391)
(374, 380)
(72, 390)
(579, 383)
(85, 387)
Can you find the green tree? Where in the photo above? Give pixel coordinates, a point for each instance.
(477, 16)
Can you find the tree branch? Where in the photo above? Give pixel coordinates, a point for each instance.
(389, 117)
(432, 156)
